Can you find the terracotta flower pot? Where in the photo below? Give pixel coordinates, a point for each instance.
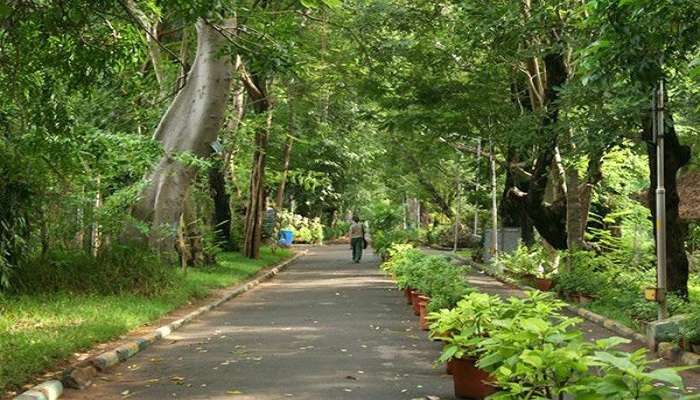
(414, 301)
(423, 312)
(543, 284)
(470, 381)
(449, 367)
(529, 279)
(407, 292)
(583, 299)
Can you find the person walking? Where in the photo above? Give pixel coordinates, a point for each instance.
(357, 239)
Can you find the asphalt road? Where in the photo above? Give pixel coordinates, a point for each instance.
(323, 329)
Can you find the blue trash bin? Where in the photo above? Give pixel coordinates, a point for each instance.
(286, 238)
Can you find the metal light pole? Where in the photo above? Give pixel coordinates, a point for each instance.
(458, 211)
(494, 204)
(658, 131)
(476, 186)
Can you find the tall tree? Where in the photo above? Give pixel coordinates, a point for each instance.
(190, 125)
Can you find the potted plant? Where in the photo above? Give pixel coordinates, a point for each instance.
(535, 356)
(468, 325)
(581, 279)
(423, 311)
(543, 278)
(623, 375)
(525, 264)
(415, 294)
(407, 293)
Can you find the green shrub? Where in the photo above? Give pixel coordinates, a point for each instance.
(581, 273)
(122, 269)
(532, 351)
(384, 217)
(433, 276)
(622, 376)
(534, 357)
(383, 240)
(525, 262)
(306, 230)
(690, 328)
(477, 316)
(339, 230)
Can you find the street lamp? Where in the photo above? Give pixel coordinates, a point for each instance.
(658, 132)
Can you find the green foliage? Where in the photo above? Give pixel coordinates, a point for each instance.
(524, 262)
(534, 351)
(625, 375)
(617, 289)
(120, 270)
(582, 273)
(534, 357)
(690, 328)
(384, 217)
(477, 316)
(339, 230)
(433, 276)
(306, 230)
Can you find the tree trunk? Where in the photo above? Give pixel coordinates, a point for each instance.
(594, 175)
(437, 197)
(549, 219)
(96, 236)
(258, 91)
(289, 143)
(191, 124)
(513, 212)
(195, 241)
(285, 171)
(574, 210)
(151, 28)
(675, 157)
(222, 206)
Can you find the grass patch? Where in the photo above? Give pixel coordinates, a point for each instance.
(466, 253)
(38, 330)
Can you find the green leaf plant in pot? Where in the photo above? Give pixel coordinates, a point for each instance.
(463, 329)
(621, 375)
(534, 357)
(581, 279)
(401, 265)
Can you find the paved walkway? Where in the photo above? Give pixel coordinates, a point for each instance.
(324, 329)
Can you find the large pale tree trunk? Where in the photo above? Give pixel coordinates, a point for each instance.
(190, 125)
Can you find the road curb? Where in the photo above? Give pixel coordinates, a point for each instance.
(80, 375)
(673, 352)
(607, 323)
